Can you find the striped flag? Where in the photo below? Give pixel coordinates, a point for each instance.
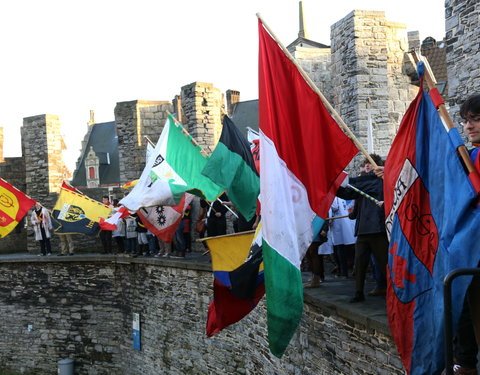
(303, 152)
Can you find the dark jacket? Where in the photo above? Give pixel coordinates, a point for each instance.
(370, 217)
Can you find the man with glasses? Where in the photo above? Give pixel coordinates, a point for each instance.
(466, 347)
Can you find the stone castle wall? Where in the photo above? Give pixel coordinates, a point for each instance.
(42, 153)
(82, 309)
(316, 63)
(42, 146)
(462, 24)
(202, 106)
(135, 120)
(367, 65)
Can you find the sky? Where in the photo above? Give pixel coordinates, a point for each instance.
(69, 57)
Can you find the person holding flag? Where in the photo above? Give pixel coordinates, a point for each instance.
(466, 347)
(42, 225)
(432, 218)
(369, 227)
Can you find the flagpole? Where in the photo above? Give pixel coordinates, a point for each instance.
(149, 141)
(228, 208)
(336, 217)
(322, 97)
(442, 110)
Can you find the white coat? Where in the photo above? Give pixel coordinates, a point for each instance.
(47, 224)
(342, 229)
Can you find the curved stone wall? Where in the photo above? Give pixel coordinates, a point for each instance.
(82, 307)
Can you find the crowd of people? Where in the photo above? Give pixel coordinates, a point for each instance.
(353, 239)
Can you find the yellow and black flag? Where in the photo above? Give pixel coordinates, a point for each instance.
(74, 212)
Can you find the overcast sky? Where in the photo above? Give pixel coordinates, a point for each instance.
(67, 57)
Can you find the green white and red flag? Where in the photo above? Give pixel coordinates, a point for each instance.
(303, 152)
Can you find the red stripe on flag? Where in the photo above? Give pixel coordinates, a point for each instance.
(293, 116)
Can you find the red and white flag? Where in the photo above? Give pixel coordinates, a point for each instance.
(163, 221)
(111, 222)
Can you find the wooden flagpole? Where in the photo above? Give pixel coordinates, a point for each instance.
(322, 97)
(149, 141)
(336, 217)
(442, 110)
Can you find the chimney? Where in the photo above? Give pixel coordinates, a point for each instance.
(92, 117)
(233, 97)
(1, 145)
(177, 108)
(302, 32)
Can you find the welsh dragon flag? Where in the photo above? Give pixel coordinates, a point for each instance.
(302, 154)
(173, 169)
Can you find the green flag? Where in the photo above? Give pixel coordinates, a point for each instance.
(231, 166)
(173, 169)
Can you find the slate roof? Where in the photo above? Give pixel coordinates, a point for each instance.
(304, 42)
(437, 58)
(245, 114)
(104, 141)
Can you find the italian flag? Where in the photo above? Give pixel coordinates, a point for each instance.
(303, 152)
(173, 168)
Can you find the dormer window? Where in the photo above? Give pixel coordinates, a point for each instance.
(92, 163)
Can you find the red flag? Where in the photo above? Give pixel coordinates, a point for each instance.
(13, 207)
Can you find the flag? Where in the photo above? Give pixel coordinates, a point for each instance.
(150, 150)
(66, 185)
(238, 278)
(231, 166)
(77, 213)
(256, 153)
(163, 221)
(14, 205)
(174, 168)
(129, 184)
(252, 135)
(302, 154)
(111, 223)
(433, 230)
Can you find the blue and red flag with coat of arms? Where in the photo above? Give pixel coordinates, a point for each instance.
(433, 226)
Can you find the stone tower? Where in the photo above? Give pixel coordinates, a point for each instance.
(42, 146)
(313, 57)
(302, 32)
(134, 121)
(202, 105)
(233, 97)
(463, 56)
(368, 57)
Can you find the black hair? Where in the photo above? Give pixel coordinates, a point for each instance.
(376, 158)
(106, 196)
(470, 106)
(115, 202)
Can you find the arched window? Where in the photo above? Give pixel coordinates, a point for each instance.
(91, 172)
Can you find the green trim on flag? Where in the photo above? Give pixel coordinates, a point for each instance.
(283, 286)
